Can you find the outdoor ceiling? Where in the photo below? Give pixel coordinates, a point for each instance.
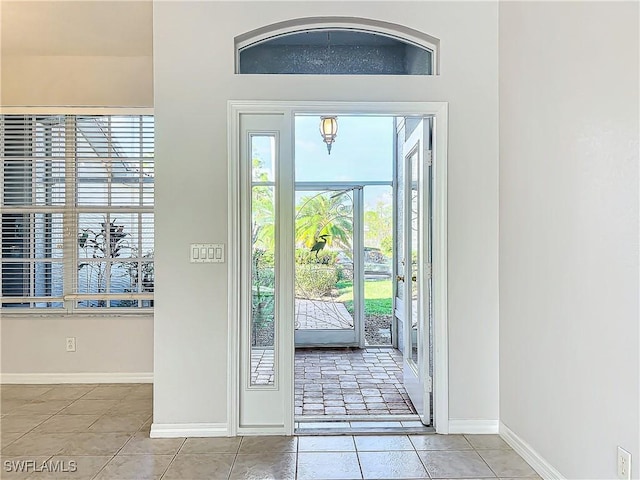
(72, 28)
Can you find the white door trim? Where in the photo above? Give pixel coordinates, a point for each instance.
(439, 110)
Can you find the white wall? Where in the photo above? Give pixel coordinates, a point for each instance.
(193, 73)
(569, 231)
(85, 53)
(108, 348)
(106, 81)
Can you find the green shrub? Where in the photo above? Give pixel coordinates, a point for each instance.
(340, 273)
(264, 277)
(262, 257)
(263, 283)
(315, 280)
(325, 257)
(266, 258)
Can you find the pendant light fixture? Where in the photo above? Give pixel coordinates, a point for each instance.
(328, 130)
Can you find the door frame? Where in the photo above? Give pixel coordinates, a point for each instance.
(439, 112)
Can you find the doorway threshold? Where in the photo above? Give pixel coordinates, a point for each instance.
(361, 425)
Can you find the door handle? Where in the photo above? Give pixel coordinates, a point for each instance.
(400, 278)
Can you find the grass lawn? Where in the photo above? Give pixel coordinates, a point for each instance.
(377, 296)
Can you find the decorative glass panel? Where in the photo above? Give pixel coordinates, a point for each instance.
(415, 261)
(263, 279)
(378, 264)
(335, 52)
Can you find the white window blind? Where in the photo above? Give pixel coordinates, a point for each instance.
(77, 211)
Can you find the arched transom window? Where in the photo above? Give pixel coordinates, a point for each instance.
(336, 46)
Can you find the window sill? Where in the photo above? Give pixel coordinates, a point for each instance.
(76, 314)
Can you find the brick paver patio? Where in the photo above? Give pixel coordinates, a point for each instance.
(341, 381)
(262, 372)
(350, 382)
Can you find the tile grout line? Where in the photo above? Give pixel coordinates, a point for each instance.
(117, 452)
(173, 458)
(359, 463)
(295, 474)
(485, 462)
(235, 458)
(120, 449)
(422, 462)
(481, 457)
(32, 428)
(168, 466)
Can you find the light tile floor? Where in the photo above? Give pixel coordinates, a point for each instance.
(102, 432)
(350, 382)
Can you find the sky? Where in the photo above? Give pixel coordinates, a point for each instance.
(362, 150)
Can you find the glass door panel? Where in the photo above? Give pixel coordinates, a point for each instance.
(414, 254)
(378, 264)
(263, 277)
(327, 267)
(399, 239)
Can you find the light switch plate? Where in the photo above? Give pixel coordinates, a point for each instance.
(206, 252)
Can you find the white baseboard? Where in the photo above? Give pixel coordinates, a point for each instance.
(533, 458)
(173, 430)
(472, 425)
(49, 378)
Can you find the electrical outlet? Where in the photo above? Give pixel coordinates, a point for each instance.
(624, 464)
(71, 344)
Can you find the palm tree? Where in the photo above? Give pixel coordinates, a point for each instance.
(263, 218)
(262, 210)
(325, 216)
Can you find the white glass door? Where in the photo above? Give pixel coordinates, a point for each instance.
(413, 260)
